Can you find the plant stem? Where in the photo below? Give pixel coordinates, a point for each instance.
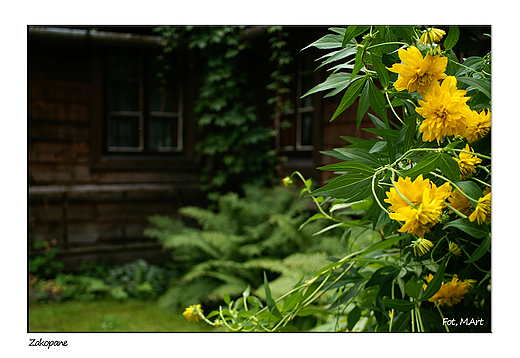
(392, 108)
(374, 190)
(456, 186)
(420, 323)
(472, 153)
(456, 211)
(442, 316)
(392, 312)
(387, 43)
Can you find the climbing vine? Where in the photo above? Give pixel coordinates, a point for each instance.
(233, 142)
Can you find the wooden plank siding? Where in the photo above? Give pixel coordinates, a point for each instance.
(92, 213)
(95, 204)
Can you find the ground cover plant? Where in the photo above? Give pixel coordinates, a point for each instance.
(425, 183)
(263, 231)
(95, 281)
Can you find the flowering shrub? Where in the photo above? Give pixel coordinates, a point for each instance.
(426, 184)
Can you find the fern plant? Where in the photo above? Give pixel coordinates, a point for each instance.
(233, 246)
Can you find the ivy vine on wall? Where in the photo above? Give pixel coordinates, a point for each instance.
(235, 145)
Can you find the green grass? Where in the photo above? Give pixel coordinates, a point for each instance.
(109, 316)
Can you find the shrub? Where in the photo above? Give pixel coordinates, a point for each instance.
(259, 232)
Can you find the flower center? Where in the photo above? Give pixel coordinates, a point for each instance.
(442, 112)
(422, 78)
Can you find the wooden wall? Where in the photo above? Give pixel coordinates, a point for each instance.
(91, 213)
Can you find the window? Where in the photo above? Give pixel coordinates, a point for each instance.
(143, 102)
(297, 123)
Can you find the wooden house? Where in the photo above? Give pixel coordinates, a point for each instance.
(104, 153)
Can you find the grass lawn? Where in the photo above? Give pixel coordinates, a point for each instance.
(109, 316)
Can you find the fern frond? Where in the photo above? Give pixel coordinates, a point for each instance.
(215, 268)
(165, 226)
(180, 296)
(265, 263)
(190, 240)
(306, 262)
(222, 242)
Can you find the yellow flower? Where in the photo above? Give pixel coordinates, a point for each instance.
(454, 249)
(459, 202)
(193, 313)
(479, 125)
(287, 181)
(419, 204)
(467, 163)
(417, 73)
(445, 111)
(421, 246)
(452, 292)
(482, 212)
(431, 35)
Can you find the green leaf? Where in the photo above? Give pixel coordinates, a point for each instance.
(327, 42)
(350, 167)
(247, 292)
(449, 167)
(427, 164)
(363, 104)
(391, 134)
(383, 275)
(404, 32)
(334, 81)
(292, 301)
(350, 96)
(347, 186)
(339, 55)
(435, 284)
(413, 287)
(312, 218)
(480, 251)
(382, 72)
(361, 155)
(383, 244)
(377, 100)
(451, 38)
(471, 228)
(359, 60)
(330, 227)
(269, 299)
(409, 137)
(471, 189)
(351, 32)
(483, 85)
(353, 317)
(398, 304)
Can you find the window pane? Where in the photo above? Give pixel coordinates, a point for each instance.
(163, 133)
(124, 131)
(163, 98)
(306, 128)
(287, 132)
(123, 96)
(307, 84)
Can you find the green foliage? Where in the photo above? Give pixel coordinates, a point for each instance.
(246, 236)
(234, 142)
(387, 286)
(138, 280)
(44, 264)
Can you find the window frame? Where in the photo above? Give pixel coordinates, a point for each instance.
(102, 158)
(298, 110)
